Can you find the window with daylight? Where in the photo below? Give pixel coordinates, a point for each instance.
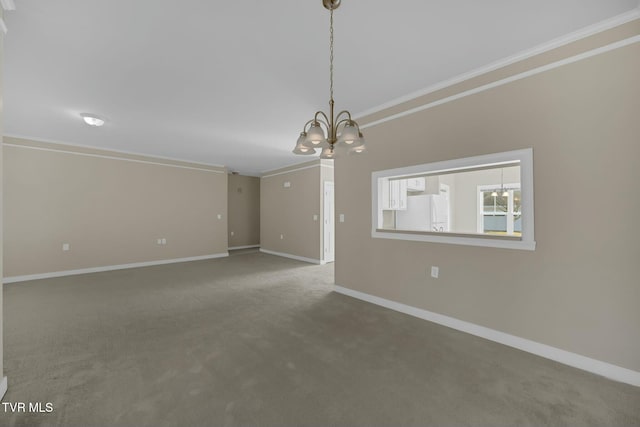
(500, 210)
(480, 201)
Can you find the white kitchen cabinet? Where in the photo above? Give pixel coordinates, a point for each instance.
(394, 195)
(415, 184)
(385, 194)
(398, 194)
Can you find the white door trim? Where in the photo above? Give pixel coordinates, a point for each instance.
(328, 222)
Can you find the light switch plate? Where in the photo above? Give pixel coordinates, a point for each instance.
(341, 217)
(66, 247)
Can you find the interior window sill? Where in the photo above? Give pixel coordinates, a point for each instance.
(469, 239)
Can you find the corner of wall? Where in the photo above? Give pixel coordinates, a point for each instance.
(3, 386)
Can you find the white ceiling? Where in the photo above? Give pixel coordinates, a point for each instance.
(232, 82)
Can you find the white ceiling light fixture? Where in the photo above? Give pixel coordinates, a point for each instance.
(341, 128)
(8, 4)
(92, 119)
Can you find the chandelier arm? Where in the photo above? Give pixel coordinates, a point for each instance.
(304, 128)
(344, 112)
(344, 121)
(322, 115)
(326, 125)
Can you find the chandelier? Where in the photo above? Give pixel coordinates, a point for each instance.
(324, 132)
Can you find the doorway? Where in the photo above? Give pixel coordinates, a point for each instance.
(329, 223)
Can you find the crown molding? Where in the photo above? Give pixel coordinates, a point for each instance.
(529, 53)
(507, 80)
(108, 151)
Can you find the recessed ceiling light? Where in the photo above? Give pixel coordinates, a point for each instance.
(92, 120)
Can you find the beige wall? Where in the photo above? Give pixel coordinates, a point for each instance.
(111, 210)
(244, 210)
(290, 211)
(579, 290)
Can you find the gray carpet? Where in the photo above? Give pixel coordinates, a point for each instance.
(257, 340)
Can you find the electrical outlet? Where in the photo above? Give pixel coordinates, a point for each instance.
(435, 272)
(164, 241)
(159, 241)
(282, 237)
(341, 217)
(315, 217)
(232, 233)
(219, 216)
(66, 247)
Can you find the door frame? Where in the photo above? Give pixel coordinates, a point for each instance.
(328, 222)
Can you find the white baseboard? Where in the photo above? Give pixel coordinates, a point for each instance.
(233, 248)
(296, 257)
(605, 369)
(3, 387)
(13, 279)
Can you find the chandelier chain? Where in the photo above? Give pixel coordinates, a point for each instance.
(331, 54)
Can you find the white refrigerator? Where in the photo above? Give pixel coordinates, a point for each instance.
(425, 212)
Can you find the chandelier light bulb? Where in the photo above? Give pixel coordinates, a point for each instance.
(302, 141)
(328, 153)
(303, 150)
(349, 133)
(315, 135)
(358, 141)
(357, 150)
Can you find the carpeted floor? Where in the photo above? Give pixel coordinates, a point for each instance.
(255, 339)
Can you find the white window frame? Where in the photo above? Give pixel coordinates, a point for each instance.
(525, 242)
(480, 213)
